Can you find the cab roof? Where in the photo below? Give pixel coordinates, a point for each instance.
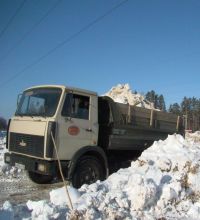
(63, 87)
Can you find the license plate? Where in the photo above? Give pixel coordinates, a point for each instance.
(20, 166)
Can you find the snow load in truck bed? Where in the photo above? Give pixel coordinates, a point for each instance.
(122, 93)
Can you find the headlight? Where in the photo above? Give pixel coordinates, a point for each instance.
(41, 167)
(7, 159)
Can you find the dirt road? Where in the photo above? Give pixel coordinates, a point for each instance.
(20, 189)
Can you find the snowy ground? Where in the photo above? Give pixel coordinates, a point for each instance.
(162, 184)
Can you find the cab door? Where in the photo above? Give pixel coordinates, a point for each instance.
(77, 127)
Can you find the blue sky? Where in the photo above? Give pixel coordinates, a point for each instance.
(148, 44)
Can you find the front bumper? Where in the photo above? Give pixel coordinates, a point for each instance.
(31, 164)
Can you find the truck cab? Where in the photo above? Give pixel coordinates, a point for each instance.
(70, 117)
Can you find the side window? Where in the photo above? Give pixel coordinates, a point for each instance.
(67, 107)
(76, 106)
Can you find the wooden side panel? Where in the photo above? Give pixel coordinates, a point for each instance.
(145, 118)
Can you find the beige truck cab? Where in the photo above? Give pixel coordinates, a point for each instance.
(71, 116)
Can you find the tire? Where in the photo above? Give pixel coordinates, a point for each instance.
(88, 170)
(39, 178)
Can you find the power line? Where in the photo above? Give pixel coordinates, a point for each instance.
(12, 18)
(31, 30)
(61, 44)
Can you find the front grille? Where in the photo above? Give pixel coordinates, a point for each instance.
(27, 144)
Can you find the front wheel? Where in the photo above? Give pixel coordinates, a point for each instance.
(39, 178)
(88, 170)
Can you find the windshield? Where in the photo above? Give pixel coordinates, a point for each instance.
(39, 102)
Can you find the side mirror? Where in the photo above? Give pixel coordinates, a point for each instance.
(18, 99)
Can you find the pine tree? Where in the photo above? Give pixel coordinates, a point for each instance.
(175, 109)
(186, 106)
(186, 109)
(161, 102)
(157, 100)
(151, 96)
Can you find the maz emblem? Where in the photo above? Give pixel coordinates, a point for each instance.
(22, 144)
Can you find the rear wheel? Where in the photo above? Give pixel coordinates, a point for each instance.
(89, 169)
(39, 178)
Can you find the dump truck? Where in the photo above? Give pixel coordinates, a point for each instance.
(91, 134)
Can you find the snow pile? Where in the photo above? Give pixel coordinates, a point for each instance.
(7, 212)
(46, 210)
(5, 169)
(123, 94)
(193, 137)
(2, 141)
(56, 199)
(162, 184)
(2, 151)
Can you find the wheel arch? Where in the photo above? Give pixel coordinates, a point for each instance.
(88, 151)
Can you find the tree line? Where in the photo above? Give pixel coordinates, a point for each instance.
(189, 108)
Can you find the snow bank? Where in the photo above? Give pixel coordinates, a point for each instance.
(57, 199)
(122, 93)
(5, 169)
(193, 137)
(2, 150)
(162, 184)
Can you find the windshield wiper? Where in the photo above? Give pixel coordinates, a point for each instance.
(31, 115)
(18, 114)
(42, 115)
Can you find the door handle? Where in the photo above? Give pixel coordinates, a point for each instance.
(88, 129)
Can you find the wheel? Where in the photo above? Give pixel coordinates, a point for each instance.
(88, 170)
(39, 178)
